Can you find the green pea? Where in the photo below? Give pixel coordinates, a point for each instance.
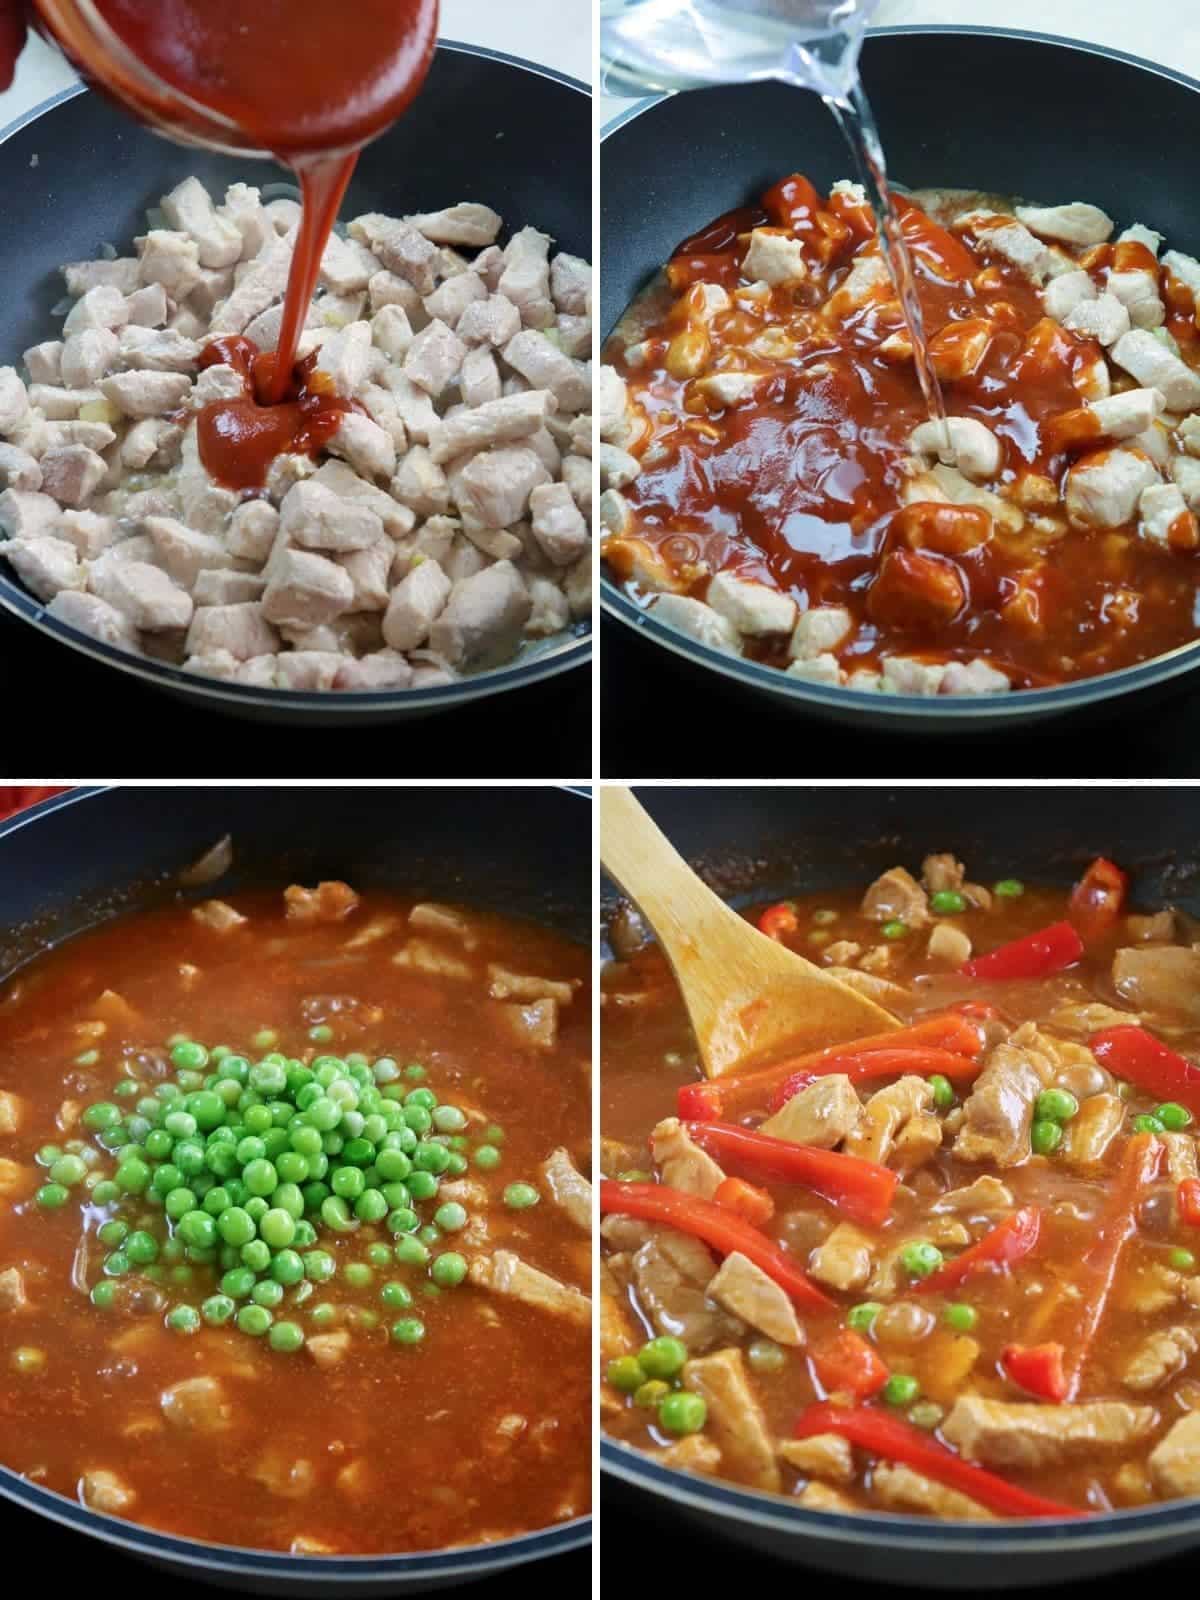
(324, 1315)
(919, 1258)
(403, 1220)
(132, 1175)
(183, 1319)
(286, 1336)
(451, 1217)
(1173, 1117)
(894, 930)
(1045, 1137)
(926, 1414)
(410, 1252)
(649, 1394)
(141, 1248)
(943, 1091)
(663, 1357)
(254, 1320)
(396, 1295)
(319, 1265)
(1055, 1105)
(217, 1309)
(69, 1170)
(408, 1330)
(449, 1119)
(101, 1116)
(236, 1226)
(947, 903)
(449, 1269)
(431, 1157)
(682, 1412)
(862, 1316)
(487, 1157)
(51, 1196)
(1009, 888)
(765, 1356)
(113, 1233)
(197, 1230)
(277, 1228)
(625, 1374)
(1182, 1260)
(901, 1389)
(266, 1292)
(415, 1072)
(237, 1283)
(520, 1196)
(321, 1034)
(962, 1318)
(104, 1295)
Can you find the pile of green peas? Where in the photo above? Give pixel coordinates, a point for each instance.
(222, 1181)
(653, 1378)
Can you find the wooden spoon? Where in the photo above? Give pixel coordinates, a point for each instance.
(746, 995)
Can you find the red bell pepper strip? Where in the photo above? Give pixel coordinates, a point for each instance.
(792, 203)
(846, 1363)
(1035, 956)
(745, 1200)
(1132, 1053)
(1097, 899)
(1003, 1246)
(719, 1228)
(879, 1064)
(777, 921)
(861, 1189)
(709, 1102)
(1036, 1368)
(892, 1439)
(1187, 1202)
(1117, 1225)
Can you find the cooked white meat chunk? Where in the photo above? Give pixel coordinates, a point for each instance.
(1160, 1356)
(826, 1455)
(569, 1189)
(1160, 981)
(1008, 240)
(751, 608)
(483, 618)
(1175, 1459)
(747, 1291)
(843, 1259)
(1067, 291)
(1104, 488)
(505, 1273)
(1150, 361)
(885, 1114)
(684, 1165)
(998, 1113)
(13, 1295)
(525, 280)
(695, 1453)
(95, 617)
(897, 896)
(900, 1488)
(1077, 223)
(467, 223)
(1029, 1437)
(198, 1404)
(965, 443)
(1089, 1133)
(694, 618)
(735, 1418)
(103, 1490)
(821, 1115)
(1164, 518)
(1104, 319)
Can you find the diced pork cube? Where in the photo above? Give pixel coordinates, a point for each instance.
(558, 527)
(18, 469)
(479, 379)
(420, 483)
(392, 332)
(315, 517)
(1175, 1461)
(217, 586)
(973, 448)
(400, 247)
(1022, 1437)
(14, 400)
(415, 605)
(145, 594)
(105, 1491)
(370, 573)
(346, 358)
(197, 1404)
(260, 284)
(95, 617)
(752, 608)
(1103, 489)
(746, 1290)
(102, 307)
(44, 361)
(72, 474)
(1157, 367)
(482, 621)
(252, 530)
(1077, 223)
(571, 284)
(148, 306)
(364, 444)
(501, 421)
(87, 356)
(1165, 520)
(467, 223)
(381, 669)
(44, 564)
(974, 677)
(451, 298)
(433, 359)
(170, 259)
(189, 209)
(495, 485)
(545, 366)
(306, 589)
(525, 279)
(698, 621)
(774, 257)
(153, 440)
(120, 273)
(493, 321)
(146, 394)
(154, 350)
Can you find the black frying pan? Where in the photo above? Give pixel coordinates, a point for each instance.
(91, 854)
(76, 173)
(979, 108)
(763, 843)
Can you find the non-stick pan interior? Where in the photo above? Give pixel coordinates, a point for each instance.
(524, 852)
(985, 110)
(765, 842)
(483, 128)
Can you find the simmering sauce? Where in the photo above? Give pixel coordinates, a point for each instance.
(803, 484)
(304, 81)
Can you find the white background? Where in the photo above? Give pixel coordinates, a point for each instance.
(555, 33)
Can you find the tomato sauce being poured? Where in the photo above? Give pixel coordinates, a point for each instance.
(305, 81)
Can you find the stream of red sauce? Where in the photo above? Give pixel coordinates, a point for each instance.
(307, 81)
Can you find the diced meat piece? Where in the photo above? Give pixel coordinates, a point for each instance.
(198, 1405)
(1025, 1437)
(683, 1163)
(494, 321)
(190, 210)
(434, 357)
(1165, 520)
(774, 257)
(370, 573)
(14, 400)
(506, 985)
(483, 618)
(1175, 1460)
(365, 445)
(306, 589)
(735, 1418)
(399, 246)
(843, 1259)
(998, 1113)
(148, 307)
(694, 1453)
(1160, 1356)
(416, 603)
(973, 448)
(942, 873)
(252, 530)
(328, 1349)
(752, 608)
(95, 617)
(172, 260)
(897, 897)
(307, 669)
(123, 273)
(826, 1455)
(1076, 223)
(345, 358)
(258, 286)
(398, 521)
(452, 297)
(818, 631)
(12, 1113)
(545, 366)
(900, 1488)
(330, 901)
(495, 422)
(146, 394)
(45, 564)
(102, 1490)
(883, 1116)
(1063, 294)
(748, 1292)
(570, 1190)
(986, 1197)
(697, 620)
(280, 1473)
(533, 1026)
(420, 483)
(392, 332)
(145, 594)
(1008, 240)
(1156, 367)
(466, 223)
(313, 516)
(571, 284)
(949, 944)
(13, 1296)
(558, 526)
(87, 356)
(243, 207)
(184, 552)
(44, 362)
(820, 1497)
(102, 307)
(387, 289)
(505, 1273)
(153, 440)
(219, 916)
(1090, 1132)
(1103, 489)
(525, 279)
(821, 1115)
(672, 1272)
(1103, 319)
(150, 350)
(551, 611)
(1162, 980)
(240, 629)
(347, 266)
(1137, 290)
(380, 669)
(18, 469)
(479, 380)
(59, 405)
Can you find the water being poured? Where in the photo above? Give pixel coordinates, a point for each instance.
(667, 45)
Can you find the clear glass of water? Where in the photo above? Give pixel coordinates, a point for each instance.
(658, 46)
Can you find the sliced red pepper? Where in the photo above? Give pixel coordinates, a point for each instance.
(778, 920)
(1130, 1052)
(708, 1102)
(1002, 1246)
(1037, 1368)
(720, 1229)
(941, 254)
(718, 267)
(1098, 899)
(1117, 1225)
(745, 1200)
(792, 203)
(861, 1189)
(847, 1363)
(879, 1064)
(1187, 1201)
(896, 1440)
(1035, 956)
